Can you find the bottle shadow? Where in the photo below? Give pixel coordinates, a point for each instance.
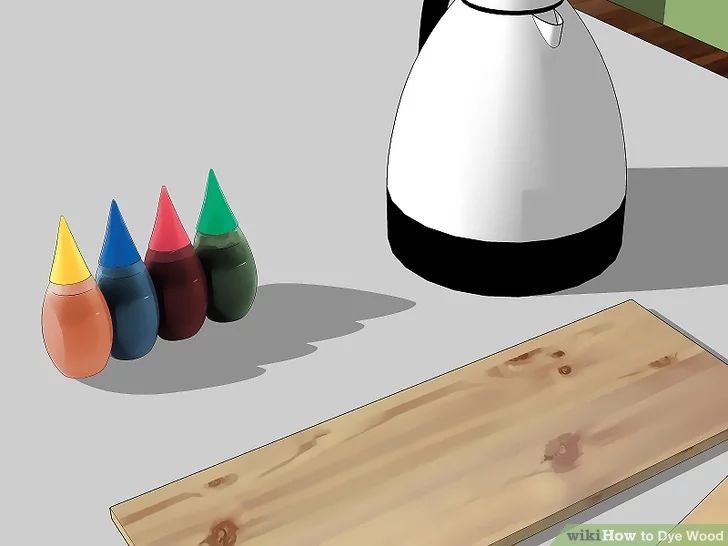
(285, 321)
(674, 232)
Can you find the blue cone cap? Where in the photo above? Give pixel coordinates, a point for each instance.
(119, 249)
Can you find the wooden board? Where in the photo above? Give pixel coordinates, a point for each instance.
(657, 34)
(492, 452)
(713, 509)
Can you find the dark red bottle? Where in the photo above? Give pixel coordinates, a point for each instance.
(177, 273)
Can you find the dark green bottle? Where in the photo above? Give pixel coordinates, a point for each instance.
(232, 278)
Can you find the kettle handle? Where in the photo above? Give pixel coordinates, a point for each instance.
(432, 12)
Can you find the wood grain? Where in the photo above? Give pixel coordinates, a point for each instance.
(489, 453)
(713, 509)
(657, 34)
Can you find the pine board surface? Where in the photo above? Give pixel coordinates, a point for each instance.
(491, 452)
(713, 509)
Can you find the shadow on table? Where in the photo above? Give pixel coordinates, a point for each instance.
(634, 491)
(284, 322)
(674, 234)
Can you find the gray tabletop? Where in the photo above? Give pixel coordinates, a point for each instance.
(292, 103)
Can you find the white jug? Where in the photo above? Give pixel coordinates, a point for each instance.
(507, 168)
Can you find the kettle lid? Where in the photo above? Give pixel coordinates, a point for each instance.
(513, 7)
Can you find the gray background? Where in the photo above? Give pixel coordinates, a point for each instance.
(292, 103)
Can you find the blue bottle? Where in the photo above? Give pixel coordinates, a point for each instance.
(125, 283)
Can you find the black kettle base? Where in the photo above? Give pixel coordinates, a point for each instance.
(504, 269)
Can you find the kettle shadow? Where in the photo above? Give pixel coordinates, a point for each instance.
(285, 321)
(674, 233)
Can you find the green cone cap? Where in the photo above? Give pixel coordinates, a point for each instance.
(216, 218)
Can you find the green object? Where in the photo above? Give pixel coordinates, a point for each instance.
(223, 250)
(653, 9)
(216, 217)
(704, 20)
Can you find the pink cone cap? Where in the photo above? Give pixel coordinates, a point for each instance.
(168, 234)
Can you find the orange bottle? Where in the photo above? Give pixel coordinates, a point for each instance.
(76, 321)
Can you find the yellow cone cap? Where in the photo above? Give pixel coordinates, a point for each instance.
(69, 267)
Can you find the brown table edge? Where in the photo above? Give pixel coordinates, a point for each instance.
(671, 40)
(546, 523)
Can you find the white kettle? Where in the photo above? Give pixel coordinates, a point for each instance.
(507, 169)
